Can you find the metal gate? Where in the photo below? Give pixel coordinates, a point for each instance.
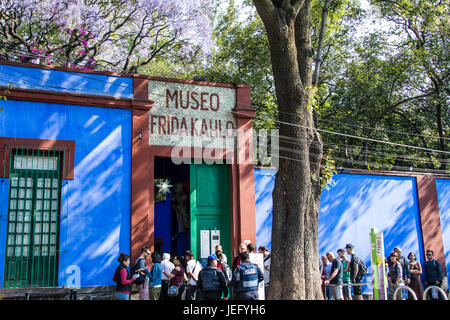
(33, 217)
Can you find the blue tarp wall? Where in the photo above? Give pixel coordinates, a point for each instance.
(95, 206)
(356, 203)
(443, 193)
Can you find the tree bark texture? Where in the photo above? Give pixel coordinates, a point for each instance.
(295, 259)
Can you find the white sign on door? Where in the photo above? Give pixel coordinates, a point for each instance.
(204, 244)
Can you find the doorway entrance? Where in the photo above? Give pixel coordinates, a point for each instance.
(194, 211)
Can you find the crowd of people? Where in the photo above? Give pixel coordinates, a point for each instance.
(185, 278)
(341, 275)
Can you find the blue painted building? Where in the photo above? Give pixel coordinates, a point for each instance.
(94, 223)
(78, 171)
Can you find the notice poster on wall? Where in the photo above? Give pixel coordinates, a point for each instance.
(258, 259)
(204, 244)
(215, 240)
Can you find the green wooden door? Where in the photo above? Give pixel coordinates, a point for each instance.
(210, 205)
(33, 217)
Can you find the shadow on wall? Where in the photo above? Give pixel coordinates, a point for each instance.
(97, 228)
(357, 203)
(264, 184)
(350, 208)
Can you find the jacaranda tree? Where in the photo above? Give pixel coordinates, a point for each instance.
(121, 35)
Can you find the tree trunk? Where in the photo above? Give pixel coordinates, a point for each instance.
(295, 259)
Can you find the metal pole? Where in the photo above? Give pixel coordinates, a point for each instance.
(404, 288)
(434, 287)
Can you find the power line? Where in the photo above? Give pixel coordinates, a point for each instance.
(288, 123)
(372, 152)
(383, 129)
(289, 139)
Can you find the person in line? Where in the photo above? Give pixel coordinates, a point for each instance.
(141, 263)
(236, 262)
(395, 275)
(433, 271)
(220, 260)
(321, 271)
(246, 278)
(193, 268)
(237, 259)
(355, 274)
(177, 278)
(154, 277)
(415, 270)
(267, 259)
(211, 281)
(334, 282)
(251, 248)
(123, 278)
(405, 266)
(346, 290)
(220, 249)
(326, 272)
(166, 266)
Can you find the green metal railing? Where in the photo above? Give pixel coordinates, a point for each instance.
(33, 216)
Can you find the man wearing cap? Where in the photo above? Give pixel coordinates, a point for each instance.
(355, 276)
(246, 278)
(211, 281)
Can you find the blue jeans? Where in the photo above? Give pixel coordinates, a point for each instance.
(122, 296)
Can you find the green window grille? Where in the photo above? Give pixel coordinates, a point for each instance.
(33, 218)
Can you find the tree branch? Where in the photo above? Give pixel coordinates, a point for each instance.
(266, 11)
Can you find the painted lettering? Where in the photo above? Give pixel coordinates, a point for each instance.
(211, 104)
(174, 127)
(203, 101)
(204, 128)
(230, 129)
(187, 100)
(152, 122)
(193, 95)
(183, 127)
(162, 123)
(173, 97)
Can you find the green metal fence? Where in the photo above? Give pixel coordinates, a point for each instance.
(33, 216)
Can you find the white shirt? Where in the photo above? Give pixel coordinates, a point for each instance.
(166, 266)
(191, 265)
(224, 258)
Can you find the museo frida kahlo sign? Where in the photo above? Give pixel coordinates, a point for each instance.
(189, 115)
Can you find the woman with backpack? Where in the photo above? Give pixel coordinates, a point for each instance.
(123, 278)
(177, 278)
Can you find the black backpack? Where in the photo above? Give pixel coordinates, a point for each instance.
(362, 268)
(140, 279)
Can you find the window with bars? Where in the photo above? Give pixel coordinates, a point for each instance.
(33, 219)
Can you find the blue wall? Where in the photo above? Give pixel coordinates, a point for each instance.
(74, 82)
(163, 223)
(264, 184)
(443, 193)
(95, 206)
(4, 194)
(357, 203)
(350, 208)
